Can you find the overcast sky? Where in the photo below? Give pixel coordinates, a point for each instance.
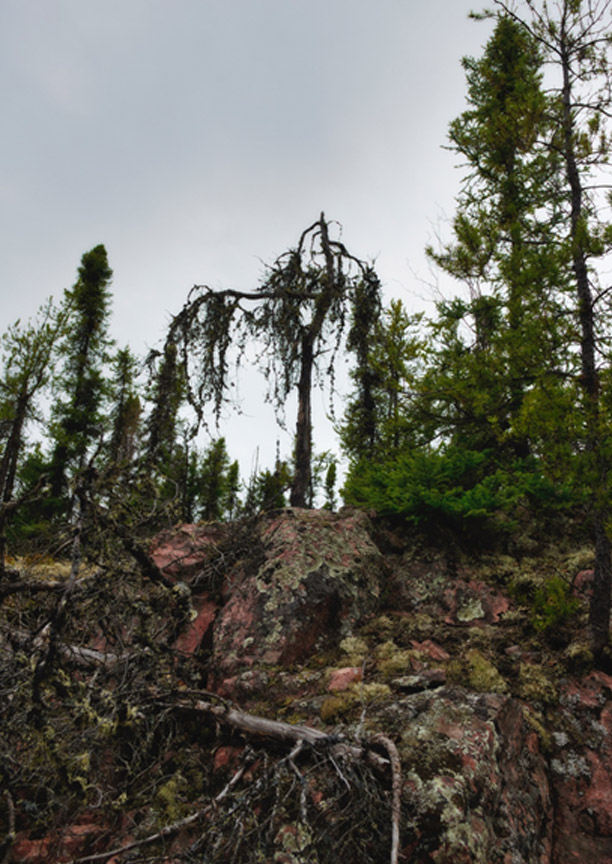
(197, 138)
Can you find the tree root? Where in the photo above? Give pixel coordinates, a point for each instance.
(330, 747)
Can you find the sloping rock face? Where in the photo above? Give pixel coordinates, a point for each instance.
(506, 756)
(581, 770)
(301, 582)
(475, 782)
(504, 740)
(311, 576)
(183, 552)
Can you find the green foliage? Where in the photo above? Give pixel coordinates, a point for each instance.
(267, 489)
(380, 418)
(217, 483)
(30, 527)
(450, 487)
(28, 355)
(330, 485)
(491, 349)
(362, 413)
(482, 416)
(78, 414)
(324, 476)
(167, 393)
(125, 413)
(553, 605)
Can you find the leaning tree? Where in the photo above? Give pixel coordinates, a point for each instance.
(298, 318)
(28, 354)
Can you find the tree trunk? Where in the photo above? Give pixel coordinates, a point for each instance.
(8, 472)
(599, 612)
(597, 467)
(301, 486)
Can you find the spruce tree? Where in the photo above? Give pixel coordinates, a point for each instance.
(78, 415)
(575, 37)
(508, 332)
(125, 414)
(213, 481)
(162, 432)
(27, 363)
(379, 418)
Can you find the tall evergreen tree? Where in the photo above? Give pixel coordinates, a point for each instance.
(125, 413)
(78, 414)
(362, 421)
(216, 483)
(507, 334)
(162, 434)
(576, 38)
(380, 416)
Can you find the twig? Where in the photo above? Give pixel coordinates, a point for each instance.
(10, 835)
(290, 759)
(167, 830)
(339, 772)
(80, 656)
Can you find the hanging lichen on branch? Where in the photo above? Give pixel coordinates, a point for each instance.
(297, 315)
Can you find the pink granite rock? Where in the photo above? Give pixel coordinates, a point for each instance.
(312, 576)
(582, 584)
(475, 782)
(430, 649)
(191, 638)
(342, 679)
(60, 846)
(473, 603)
(581, 771)
(180, 552)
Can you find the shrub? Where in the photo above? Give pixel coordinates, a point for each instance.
(553, 605)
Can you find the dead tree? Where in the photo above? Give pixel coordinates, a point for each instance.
(298, 315)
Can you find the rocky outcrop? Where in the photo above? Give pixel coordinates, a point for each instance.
(504, 736)
(506, 757)
(475, 781)
(315, 576)
(303, 580)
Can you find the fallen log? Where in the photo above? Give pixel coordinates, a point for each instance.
(255, 726)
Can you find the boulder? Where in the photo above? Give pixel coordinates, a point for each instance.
(475, 782)
(181, 552)
(581, 771)
(311, 577)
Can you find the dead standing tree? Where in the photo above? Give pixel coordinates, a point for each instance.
(298, 314)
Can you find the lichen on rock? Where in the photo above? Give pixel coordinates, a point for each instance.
(316, 574)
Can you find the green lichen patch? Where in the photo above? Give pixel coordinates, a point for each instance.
(354, 650)
(335, 708)
(477, 672)
(537, 684)
(382, 627)
(392, 661)
(578, 657)
(170, 799)
(536, 721)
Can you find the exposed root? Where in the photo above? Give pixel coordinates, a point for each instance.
(396, 788)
